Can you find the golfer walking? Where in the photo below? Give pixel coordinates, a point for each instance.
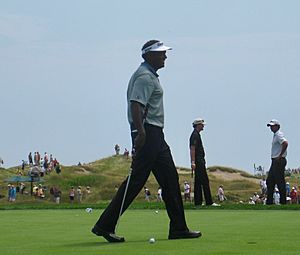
(197, 153)
(152, 153)
(278, 157)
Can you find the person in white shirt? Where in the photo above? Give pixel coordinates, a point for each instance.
(263, 186)
(278, 156)
(221, 194)
(255, 198)
(276, 197)
(251, 202)
(159, 195)
(187, 191)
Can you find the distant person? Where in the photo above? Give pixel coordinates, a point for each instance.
(23, 165)
(221, 194)
(40, 192)
(159, 195)
(57, 168)
(117, 149)
(46, 161)
(293, 195)
(35, 158)
(197, 154)
(126, 153)
(251, 202)
(147, 194)
(42, 171)
(56, 195)
(13, 193)
(9, 192)
(152, 153)
(1, 162)
(263, 186)
(72, 194)
(38, 156)
(288, 189)
(88, 190)
(278, 157)
(255, 198)
(79, 194)
(22, 188)
(276, 197)
(298, 195)
(187, 191)
(30, 161)
(35, 190)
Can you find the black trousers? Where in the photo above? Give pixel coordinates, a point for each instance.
(155, 156)
(201, 184)
(276, 176)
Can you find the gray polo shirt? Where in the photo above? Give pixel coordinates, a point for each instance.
(144, 87)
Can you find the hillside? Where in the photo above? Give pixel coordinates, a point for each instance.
(104, 175)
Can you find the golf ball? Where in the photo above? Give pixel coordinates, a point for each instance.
(156, 211)
(151, 240)
(89, 210)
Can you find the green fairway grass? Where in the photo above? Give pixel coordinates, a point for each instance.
(67, 232)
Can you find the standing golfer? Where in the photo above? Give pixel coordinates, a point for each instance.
(198, 165)
(278, 157)
(152, 153)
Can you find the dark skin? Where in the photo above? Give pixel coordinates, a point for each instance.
(157, 60)
(284, 145)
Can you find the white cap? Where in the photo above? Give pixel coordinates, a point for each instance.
(158, 46)
(273, 123)
(199, 121)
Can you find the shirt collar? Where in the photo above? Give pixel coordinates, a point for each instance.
(150, 68)
(277, 132)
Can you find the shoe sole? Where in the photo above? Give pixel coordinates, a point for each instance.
(184, 237)
(110, 237)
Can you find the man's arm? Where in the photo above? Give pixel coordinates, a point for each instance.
(284, 146)
(192, 153)
(136, 112)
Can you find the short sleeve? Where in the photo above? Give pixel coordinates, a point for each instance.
(143, 88)
(193, 140)
(280, 138)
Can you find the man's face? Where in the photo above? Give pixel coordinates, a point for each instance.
(157, 59)
(200, 127)
(274, 128)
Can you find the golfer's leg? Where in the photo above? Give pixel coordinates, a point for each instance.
(206, 187)
(270, 185)
(197, 188)
(139, 176)
(141, 168)
(166, 174)
(280, 180)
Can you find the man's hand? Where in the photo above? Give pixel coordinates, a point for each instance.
(140, 140)
(278, 158)
(193, 166)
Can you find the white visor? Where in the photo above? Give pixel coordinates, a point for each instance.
(158, 46)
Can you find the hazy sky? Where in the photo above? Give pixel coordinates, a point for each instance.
(65, 65)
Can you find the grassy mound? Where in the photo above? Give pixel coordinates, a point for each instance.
(105, 175)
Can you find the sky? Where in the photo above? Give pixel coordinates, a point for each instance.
(65, 66)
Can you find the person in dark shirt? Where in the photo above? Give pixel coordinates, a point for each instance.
(198, 165)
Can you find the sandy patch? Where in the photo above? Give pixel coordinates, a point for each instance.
(232, 176)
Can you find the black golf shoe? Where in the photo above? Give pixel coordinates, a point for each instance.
(109, 236)
(184, 234)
